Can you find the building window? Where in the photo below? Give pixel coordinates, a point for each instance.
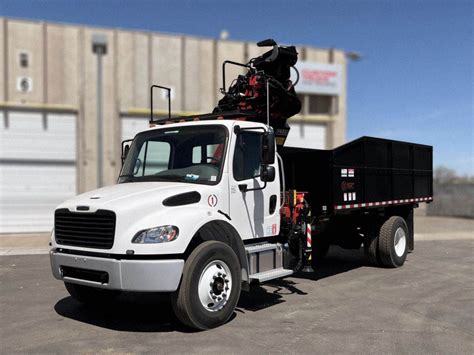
(322, 104)
(24, 60)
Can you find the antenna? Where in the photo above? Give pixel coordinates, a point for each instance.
(268, 101)
(151, 100)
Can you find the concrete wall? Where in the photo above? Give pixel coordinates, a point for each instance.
(62, 65)
(29, 38)
(63, 69)
(3, 71)
(338, 130)
(198, 91)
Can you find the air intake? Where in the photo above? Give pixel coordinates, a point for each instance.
(88, 230)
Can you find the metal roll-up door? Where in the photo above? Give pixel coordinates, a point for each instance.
(37, 169)
(307, 135)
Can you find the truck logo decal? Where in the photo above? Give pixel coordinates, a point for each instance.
(347, 185)
(212, 200)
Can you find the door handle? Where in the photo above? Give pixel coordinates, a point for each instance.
(273, 203)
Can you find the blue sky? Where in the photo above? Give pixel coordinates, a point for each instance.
(415, 81)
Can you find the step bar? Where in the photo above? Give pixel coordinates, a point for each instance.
(271, 275)
(265, 262)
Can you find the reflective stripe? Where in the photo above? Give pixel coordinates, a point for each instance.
(382, 203)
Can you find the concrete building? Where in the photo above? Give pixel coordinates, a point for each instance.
(48, 104)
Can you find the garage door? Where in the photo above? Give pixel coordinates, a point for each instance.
(306, 135)
(37, 169)
(132, 125)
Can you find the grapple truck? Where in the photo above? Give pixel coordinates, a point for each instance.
(207, 205)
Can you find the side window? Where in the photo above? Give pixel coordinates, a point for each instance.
(211, 149)
(154, 157)
(212, 153)
(157, 157)
(197, 156)
(247, 156)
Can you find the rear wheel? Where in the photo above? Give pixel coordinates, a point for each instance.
(210, 287)
(371, 241)
(393, 242)
(320, 249)
(371, 249)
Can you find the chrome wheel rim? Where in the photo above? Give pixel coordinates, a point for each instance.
(215, 285)
(400, 241)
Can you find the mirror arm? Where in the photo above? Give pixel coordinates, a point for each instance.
(243, 187)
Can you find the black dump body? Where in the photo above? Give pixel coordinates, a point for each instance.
(365, 173)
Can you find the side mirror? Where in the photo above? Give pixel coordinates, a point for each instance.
(267, 173)
(268, 147)
(125, 148)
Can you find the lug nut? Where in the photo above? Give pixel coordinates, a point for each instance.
(224, 275)
(227, 289)
(219, 298)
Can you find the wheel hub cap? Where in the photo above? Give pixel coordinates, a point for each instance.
(400, 241)
(215, 285)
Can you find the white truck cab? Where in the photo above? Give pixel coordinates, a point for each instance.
(180, 185)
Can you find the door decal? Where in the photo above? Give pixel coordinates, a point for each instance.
(212, 200)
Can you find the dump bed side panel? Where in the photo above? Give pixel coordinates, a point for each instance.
(367, 172)
(380, 171)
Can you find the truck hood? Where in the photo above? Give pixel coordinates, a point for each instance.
(139, 206)
(128, 195)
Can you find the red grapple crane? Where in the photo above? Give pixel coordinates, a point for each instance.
(265, 93)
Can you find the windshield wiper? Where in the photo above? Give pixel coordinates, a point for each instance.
(128, 176)
(169, 177)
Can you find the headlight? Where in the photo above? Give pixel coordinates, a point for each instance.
(160, 234)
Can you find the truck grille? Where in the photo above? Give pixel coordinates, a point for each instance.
(89, 230)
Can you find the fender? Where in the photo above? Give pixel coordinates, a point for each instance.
(224, 232)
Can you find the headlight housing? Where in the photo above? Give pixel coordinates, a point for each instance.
(162, 234)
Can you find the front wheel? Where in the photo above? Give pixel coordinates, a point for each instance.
(210, 287)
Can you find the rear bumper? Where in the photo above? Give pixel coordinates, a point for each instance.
(127, 275)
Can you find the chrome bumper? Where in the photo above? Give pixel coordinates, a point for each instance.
(127, 275)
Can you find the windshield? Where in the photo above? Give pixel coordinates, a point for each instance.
(185, 154)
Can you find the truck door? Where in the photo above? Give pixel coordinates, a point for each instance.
(256, 212)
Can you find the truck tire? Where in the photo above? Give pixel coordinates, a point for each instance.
(90, 295)
(210, 286)
(320, 249)
(393, 242)
(371, 249)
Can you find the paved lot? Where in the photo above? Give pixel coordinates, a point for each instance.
(427, 306)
